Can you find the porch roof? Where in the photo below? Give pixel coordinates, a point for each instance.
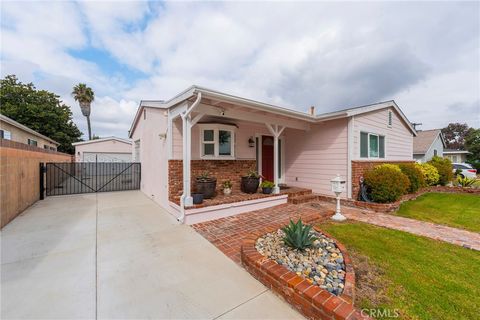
(217, 99)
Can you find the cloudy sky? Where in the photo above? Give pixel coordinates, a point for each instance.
(424, 55)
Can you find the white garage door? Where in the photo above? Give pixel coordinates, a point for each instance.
(106, 157)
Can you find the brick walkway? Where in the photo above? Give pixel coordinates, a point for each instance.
(228, 233)
(456, 236)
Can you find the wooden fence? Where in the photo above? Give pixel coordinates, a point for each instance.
(20, 176)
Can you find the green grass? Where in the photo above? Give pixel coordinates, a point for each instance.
(451, 209)
(426, 279)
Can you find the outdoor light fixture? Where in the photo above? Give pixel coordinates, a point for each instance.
(251, 142)
(338, 186)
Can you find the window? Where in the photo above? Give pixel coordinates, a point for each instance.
(435, 152)
(137, 150)
(372, 145)
(390, 118)
(4, 134)
(216, 141)
(32, 142)
(53, 148)
(45, 146)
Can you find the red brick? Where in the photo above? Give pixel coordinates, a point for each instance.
(343, 311)
(331, 304)
(294, 281)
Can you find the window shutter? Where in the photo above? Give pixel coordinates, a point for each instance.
(381, 147)
(363, 145)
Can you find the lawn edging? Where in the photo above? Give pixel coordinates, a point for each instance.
(311, 300)
(394, 206)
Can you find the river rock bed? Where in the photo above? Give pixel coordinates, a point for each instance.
(322, 264)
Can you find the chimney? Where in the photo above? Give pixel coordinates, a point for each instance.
(312, 110)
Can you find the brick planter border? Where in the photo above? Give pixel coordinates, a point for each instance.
(311, 300)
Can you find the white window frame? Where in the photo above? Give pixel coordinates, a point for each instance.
(368, 140)
(7, 135)
(216, 141)
(31, 140)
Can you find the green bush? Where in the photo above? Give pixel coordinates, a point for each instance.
(298, 236)
(444, 168)
(466, 182)
(415, 176)
(390, 166)
(386, 183)
(430, 173)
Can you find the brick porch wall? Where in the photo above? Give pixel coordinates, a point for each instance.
(221, 169)
(360, 166)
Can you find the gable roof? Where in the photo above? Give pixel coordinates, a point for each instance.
(209, 93)
(27, 129)
(424, 140)
(102, 140)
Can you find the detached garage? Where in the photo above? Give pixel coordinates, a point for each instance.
(111, 149)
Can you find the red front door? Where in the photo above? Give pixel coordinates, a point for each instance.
(267, 157)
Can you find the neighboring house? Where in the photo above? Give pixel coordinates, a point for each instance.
(427, 144)
(110, 149)
(228, 135)
(456, 156)
(12, 130)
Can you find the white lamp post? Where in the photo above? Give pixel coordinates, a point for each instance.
(338, 186)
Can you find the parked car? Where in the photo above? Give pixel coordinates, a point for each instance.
(466, 170)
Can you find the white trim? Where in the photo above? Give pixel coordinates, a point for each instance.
(102, 140)
(350, 145)
(216, 128)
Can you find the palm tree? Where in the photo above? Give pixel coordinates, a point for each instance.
(85, 96)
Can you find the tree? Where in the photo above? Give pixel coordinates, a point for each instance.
(455, 134)
(472, 144)
(85, 96)
(39, 110)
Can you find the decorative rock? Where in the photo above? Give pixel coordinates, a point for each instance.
(322, 264)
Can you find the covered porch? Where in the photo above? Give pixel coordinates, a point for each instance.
(227, 139)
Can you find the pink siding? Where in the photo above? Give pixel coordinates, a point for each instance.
(313, 158)
(112, 146)
(398, 137)
(153, 155)
(177, 141)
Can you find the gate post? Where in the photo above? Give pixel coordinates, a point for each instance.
(42, 181)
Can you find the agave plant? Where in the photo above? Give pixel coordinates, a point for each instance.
(298, 236)
(466, 182)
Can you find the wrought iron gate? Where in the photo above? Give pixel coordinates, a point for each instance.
(88, 177)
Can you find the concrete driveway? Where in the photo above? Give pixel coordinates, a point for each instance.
(119, 255)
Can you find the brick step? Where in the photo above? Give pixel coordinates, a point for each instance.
(303, 198)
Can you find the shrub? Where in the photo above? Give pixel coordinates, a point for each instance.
(390, 166)
(227, 184)
(415, 176)
(386, 183)
(430, 173)
(267, 184)
(298, 236)
(444, 168)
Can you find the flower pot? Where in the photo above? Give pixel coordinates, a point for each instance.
(249, 184)
(207, 187)
(197, 198)
(267, 190)
(227, 191)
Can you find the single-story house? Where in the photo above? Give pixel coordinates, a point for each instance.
(202, 129)
(427, 144)
(12, 130)
(456, 156)
(110, 149)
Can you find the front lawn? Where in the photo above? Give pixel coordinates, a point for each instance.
(451, 209)
(422, 278)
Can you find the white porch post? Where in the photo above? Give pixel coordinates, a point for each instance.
(187, 123)
(276, 131)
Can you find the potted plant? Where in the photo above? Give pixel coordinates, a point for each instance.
(267, 186)
(206, 185)
(197, 198)
(227, 187)
(250, 182)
